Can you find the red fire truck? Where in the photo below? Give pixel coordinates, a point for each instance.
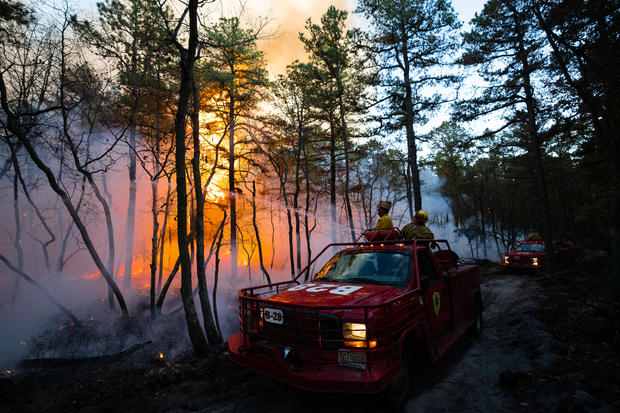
(530, 254)
(373, 315)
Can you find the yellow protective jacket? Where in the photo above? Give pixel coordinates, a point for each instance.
(412, 231)
(385, 222)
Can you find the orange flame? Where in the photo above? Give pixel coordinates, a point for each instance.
(215, 192)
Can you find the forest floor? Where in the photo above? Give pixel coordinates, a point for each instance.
(551, 343)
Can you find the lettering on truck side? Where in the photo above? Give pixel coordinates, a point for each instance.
(316, 288)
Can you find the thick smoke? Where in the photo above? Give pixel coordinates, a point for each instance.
(466, 243)
(33, 327)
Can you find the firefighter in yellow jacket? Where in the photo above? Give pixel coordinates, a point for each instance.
(418, 229)
(385, 222)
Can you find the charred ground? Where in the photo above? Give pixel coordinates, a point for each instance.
(551, 343)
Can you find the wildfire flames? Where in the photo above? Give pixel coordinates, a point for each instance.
(159, 358)
(216, 193)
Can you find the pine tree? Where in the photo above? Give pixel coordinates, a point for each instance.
(235, 67)
(506, 47)
(415, 39)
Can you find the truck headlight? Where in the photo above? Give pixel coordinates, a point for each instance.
(535, 262)
(354, 335)
(506, 259)
(354, 331)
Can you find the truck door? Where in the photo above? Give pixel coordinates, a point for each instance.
(435, 294)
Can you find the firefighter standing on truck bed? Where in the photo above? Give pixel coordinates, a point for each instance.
(385, 222)
(417, 229)
(533, 236)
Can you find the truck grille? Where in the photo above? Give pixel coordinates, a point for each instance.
(303, 327)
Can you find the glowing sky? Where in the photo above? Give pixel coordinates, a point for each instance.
(289, 18)
(286, 19)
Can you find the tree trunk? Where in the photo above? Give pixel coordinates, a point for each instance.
(166, 286)
(307, 209)
(110, 232)
(273, 236)
(215, 281)
(34, 206)
(154, 236)
(187, 60)
(412, 151)
(17, 241)
(231, 188)
(257, 232)
(154, 208)
(408, 182)
(345, 137)
(212, 332)
(131, 208)
(332, 180)
(65, 240)
(111, 257)
(290, 227)
(131, 205)
(162, 238)
(300, 144)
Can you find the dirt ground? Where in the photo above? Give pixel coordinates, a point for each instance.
(551, 343)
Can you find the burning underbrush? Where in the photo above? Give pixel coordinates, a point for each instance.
(103, 334)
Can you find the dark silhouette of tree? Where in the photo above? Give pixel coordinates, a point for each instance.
(508, 51)
(187, 60)
(414, 40)
(585, 39)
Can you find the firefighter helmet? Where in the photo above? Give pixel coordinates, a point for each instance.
(421, 216)
(385, 205)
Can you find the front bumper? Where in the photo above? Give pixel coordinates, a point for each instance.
(267, 358)
(521, 265)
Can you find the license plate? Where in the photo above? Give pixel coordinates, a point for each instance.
(271, 315)
(352, 359)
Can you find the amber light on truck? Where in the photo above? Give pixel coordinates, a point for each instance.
(535, 262)
(505, 259)
(354, 335)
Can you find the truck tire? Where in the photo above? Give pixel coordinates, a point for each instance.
(478, 324)
(398, 392)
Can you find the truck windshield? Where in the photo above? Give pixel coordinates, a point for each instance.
(531, 247)
(368, 267)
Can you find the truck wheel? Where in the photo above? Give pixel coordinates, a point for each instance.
(476, 327)
(398, 392)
